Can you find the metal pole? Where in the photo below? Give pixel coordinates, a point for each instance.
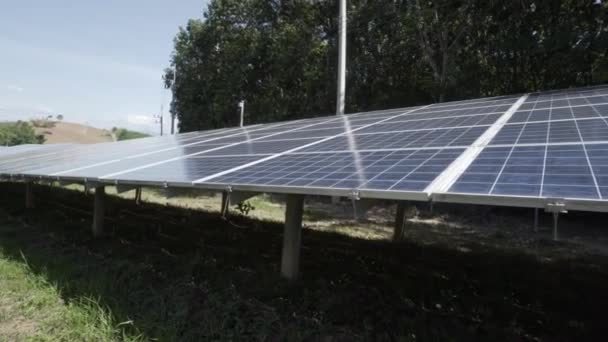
(535, 219)
(341, 60)
(138, 196)
(555, 234)
(242, 107)
(400, 219)
(225, 204)
(29, 195)
(290, 261)
(98, 211)
(160, 120)
(172, 94)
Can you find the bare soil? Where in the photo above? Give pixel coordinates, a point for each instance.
(66, 132)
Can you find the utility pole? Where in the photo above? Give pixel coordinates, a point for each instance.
(242, 109)
(173, 94)
(341, 60)
(159, 120)
(161, 125)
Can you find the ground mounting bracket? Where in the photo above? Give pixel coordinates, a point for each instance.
(241, 196)
(88, 185)
(231, 196)
(354, 195)
(556, 206)
(360, 205)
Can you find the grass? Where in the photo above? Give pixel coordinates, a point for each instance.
(178, 274)
(32, 308)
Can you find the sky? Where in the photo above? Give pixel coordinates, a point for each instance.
(94, 62)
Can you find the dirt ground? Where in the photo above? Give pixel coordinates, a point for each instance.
(66, 132)
(176, 272)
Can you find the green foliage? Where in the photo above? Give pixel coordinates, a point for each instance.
(245, 207)
(18, 133)
(125, 134)
(280, 56)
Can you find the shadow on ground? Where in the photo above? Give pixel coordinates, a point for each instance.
(186, 275)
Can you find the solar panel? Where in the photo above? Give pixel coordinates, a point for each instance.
(29, 149)
(554, 146)
(398, 170)
(537, 146)
(340, 157)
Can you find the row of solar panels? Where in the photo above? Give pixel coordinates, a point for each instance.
(513, 150)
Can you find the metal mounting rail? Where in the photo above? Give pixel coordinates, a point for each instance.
(445, 180)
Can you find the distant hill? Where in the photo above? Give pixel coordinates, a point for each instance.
(67, 132)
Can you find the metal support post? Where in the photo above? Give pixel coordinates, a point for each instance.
(555, 218)
(535, 219)
(556, 207)
(29, 195)
(138, 196)
(242, 113)
(292, 236)
(399, 229)
(98, 211)
(225, 203)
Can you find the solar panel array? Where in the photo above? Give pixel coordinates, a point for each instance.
(551, 144)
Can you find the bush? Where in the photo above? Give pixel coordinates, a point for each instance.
(125, 134)
(18, 133)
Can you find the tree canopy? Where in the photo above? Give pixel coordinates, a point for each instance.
(280, 56)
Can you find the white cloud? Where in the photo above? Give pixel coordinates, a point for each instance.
(15, 88)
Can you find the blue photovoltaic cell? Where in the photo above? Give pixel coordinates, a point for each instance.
(554, 145)
(461, 121)
(562, 171)
(598, 157)
(401, 140)
(582, 112)
(570, 131)
(183, 170)
(411, 170)
(89, 161)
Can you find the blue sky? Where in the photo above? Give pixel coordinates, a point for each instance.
(95, 62)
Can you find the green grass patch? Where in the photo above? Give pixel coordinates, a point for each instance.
(178, 274)
(32, 308)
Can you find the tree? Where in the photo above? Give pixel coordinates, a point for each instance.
(19, 133)
(281, 55)
(441, 27)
